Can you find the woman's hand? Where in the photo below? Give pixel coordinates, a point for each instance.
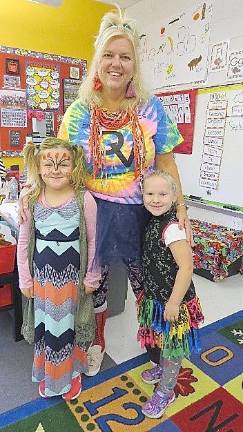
(23, 204)
(171, 311)
(184, 222)
(28, 292)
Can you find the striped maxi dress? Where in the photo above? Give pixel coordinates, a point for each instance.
(56, 275)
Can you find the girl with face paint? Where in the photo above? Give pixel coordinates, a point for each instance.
(56, 249)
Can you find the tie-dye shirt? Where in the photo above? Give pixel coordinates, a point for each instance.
(117, 181)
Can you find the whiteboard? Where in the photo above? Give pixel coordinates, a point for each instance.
(223, 157)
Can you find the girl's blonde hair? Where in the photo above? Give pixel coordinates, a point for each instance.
(114, 25)
(32, 153)
(165, 176)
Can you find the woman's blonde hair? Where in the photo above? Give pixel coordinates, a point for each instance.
(32, 153)
(114, 25)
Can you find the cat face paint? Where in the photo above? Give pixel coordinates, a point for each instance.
(56, 167)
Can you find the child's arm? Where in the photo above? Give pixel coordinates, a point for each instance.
(182, 254)
(25, 278)
(93, 275)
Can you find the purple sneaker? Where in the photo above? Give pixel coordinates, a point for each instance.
(156, 406)
(152, 376)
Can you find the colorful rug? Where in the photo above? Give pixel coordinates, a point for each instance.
(209, 394)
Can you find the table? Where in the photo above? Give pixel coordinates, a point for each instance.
(218, 250)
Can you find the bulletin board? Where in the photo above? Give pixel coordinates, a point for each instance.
(180, 106)
(213, 173)
(35, 90)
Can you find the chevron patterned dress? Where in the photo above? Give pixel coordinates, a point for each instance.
(56, 276)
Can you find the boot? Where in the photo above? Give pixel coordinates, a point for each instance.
(97, 350)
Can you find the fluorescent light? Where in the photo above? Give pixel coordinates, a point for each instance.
(48, 2)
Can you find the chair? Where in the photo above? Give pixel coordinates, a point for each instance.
(9, 283)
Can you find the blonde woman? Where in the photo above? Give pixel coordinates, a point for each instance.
(124, 132)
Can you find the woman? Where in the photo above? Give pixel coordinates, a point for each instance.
(124, 133)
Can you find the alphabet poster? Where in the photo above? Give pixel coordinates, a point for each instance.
(235, 66)
(180, 107)
(176, 51)
(218, 60)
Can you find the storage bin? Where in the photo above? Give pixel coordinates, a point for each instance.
(7, 258)
(6, 295)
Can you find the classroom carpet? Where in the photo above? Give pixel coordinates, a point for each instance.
(208, 394)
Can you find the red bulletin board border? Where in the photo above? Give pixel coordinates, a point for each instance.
(23, 58)
(186, 129)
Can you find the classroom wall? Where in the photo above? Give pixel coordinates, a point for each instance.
(67, 30)
(227, 18)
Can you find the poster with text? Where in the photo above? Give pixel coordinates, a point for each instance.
(218, 60)
(235, 66)
(43, 87)
(180, 107)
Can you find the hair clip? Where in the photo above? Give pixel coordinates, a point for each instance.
(121, 26)
(127, 26)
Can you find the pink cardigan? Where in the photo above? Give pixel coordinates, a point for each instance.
(92, 277)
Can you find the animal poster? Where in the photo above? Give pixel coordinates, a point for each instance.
(175, 51)
(180, 107)
(218, 60)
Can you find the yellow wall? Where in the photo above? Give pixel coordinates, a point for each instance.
(67, 30)
(9, 161)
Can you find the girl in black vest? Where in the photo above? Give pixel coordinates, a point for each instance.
(169, 311)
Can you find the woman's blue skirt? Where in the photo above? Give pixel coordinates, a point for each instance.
(119, 232)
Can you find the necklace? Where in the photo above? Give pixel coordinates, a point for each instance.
(112, 121)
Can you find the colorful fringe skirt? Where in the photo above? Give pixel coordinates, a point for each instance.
(177, 339)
